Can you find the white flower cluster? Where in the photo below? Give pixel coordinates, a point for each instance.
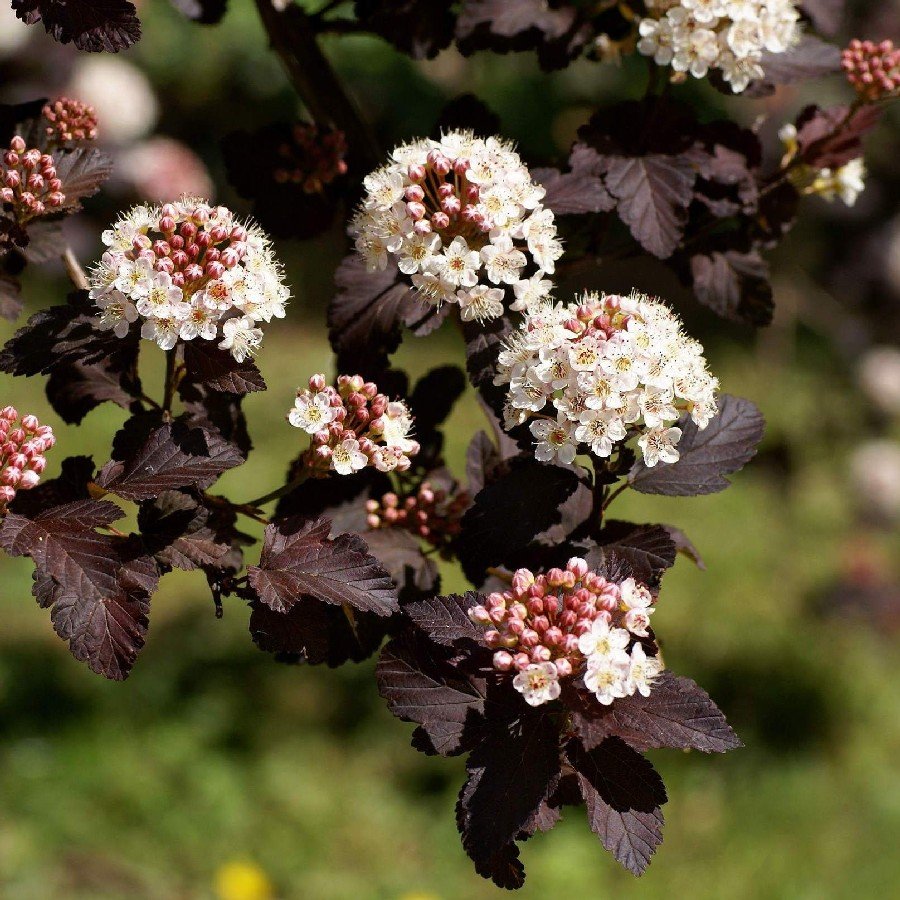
(188, 270)
(600, 370)
(846, 182)
(462, 217)
(694, 36)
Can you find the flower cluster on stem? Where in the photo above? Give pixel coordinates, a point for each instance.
(462, 217)
(188, 270)
(66, 121)
(29, 185)
(873, 69)
(313, 159)
(567, 623)
(847, 181)
(431, 513)
(352, 426)
(23, 443)
(696, 36)
(591, 374)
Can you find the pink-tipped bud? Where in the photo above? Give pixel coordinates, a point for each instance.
(317, 383)
(563, 667)
(7, 494)
(11, 476)
(17, 144)
(521, 661)
(451, 206)
(166, 223)
(422, 227)
(461, 166)
(416, 173)
(30, 423)
(10, 158)
(416, 210)
(29, 480)
(415, 194)
(188, 231)
(440, 220)
(503, 661)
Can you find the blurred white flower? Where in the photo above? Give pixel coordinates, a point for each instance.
(162, 167)
(14, 33)
(875, 478)
(879, 377)
(126, 106)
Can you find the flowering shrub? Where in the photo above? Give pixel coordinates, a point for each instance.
(548, 675)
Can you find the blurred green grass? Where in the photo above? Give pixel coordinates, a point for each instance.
(211, 752)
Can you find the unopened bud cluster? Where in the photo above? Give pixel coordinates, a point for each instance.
(29, 185)
(68, 121)
(462, 217)
(847, 181)
(696, 36)
(23, 443)
(873, 69)
(431, 513)
(352, 426)
(313, 159)
(595, 372)
(189, 270)
(570, 622)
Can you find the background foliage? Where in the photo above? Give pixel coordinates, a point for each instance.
(212, 754)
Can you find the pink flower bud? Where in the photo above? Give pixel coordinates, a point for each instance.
(440, 220)
(521, 661)
(166, 223)
(416, 210)
(541, 654)
(422, 227)
(38, 464)
(415, 194)
(563, 667)
(29, 480)
(11, 476)
(7, 494)
(451, 206)
(317, 383)
(17, 144)
(503, 661)
(30, 423)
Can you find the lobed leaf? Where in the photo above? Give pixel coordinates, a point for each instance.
(92, 25)
(735, 285)
(208, 366)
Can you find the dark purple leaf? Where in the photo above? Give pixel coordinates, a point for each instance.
(10, 297)
(445, 620)
(726, 445)
(810, 59)
(208, 366)
(414, 574)
(678, 714)
(684, 545)
(735, 285)
(421, 686)
(300, 560)
(317, 633)
(648, 549)
(171, 456)
(92, 25)
(623, 794)
(653, 193)
(579, 190)
(81, 172)
(826, 15)
(830, 138)
(420, 28)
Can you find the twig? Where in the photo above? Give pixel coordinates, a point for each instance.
(613, 496)
(500, 573)
(169, 388)
(74, 270)
(292, 35)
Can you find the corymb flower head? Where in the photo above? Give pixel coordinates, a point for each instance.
(23, 443)
(695, 36)
(29, 186)
(463, 219)
(189, 270)
(66, 121)
(312, 158)
(352, 426)
(594, 373)
(873, 69)
(571, 623)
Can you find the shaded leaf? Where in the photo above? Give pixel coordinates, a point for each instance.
(826, 15)
(82, 171)
(413, 573)
(724, 447)
(623, 793)
(420, 28)
(830, 138)
(735, 285)
(10, 297)
(92, 25)
(579, 190)
(678, 714)
(468, 113)
(684, 545)
(445, 620)
(300, 560)
(811, 58)
(208, 366)
(171, 456)
(648, 549)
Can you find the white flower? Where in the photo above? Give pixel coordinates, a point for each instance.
(607, 677)
(642, 671)
(397, 426)
(186, 268)
(554, 440)
(459, 214)
(538, 683)
(311, 412)
(847, 182)
(604, 641)
(610, 366)
(346, 458)
(529, 291)
(240, 337)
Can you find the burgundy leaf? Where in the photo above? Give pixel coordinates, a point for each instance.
(171, 456)
(812, 58)
(421, 686)
(445, 620)
(830, 138)
(92, 25)
(735, 285)
(826, 15)
(97, 585)
(420, 28)
(678, 714)
(81, 172)
(300, 560)
(368, 312)
(648, 549)
(413, 573)
(581, 189)
(623, 793)
(684, 545)
(208, 366)
(726, 445)
(653, 193)
(44, 239)
(317, 633)
(511, 773)
(10, 297)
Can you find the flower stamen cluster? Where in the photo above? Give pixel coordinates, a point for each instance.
(872, 69)
(352, 426)
(570, 622)
(847, 181)
(188, 270)
(69, 121)
(462, 217)
(592, 374)
(313, 159)
(29, 185)
(696, 36)
(23, 443)
(431, 513)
